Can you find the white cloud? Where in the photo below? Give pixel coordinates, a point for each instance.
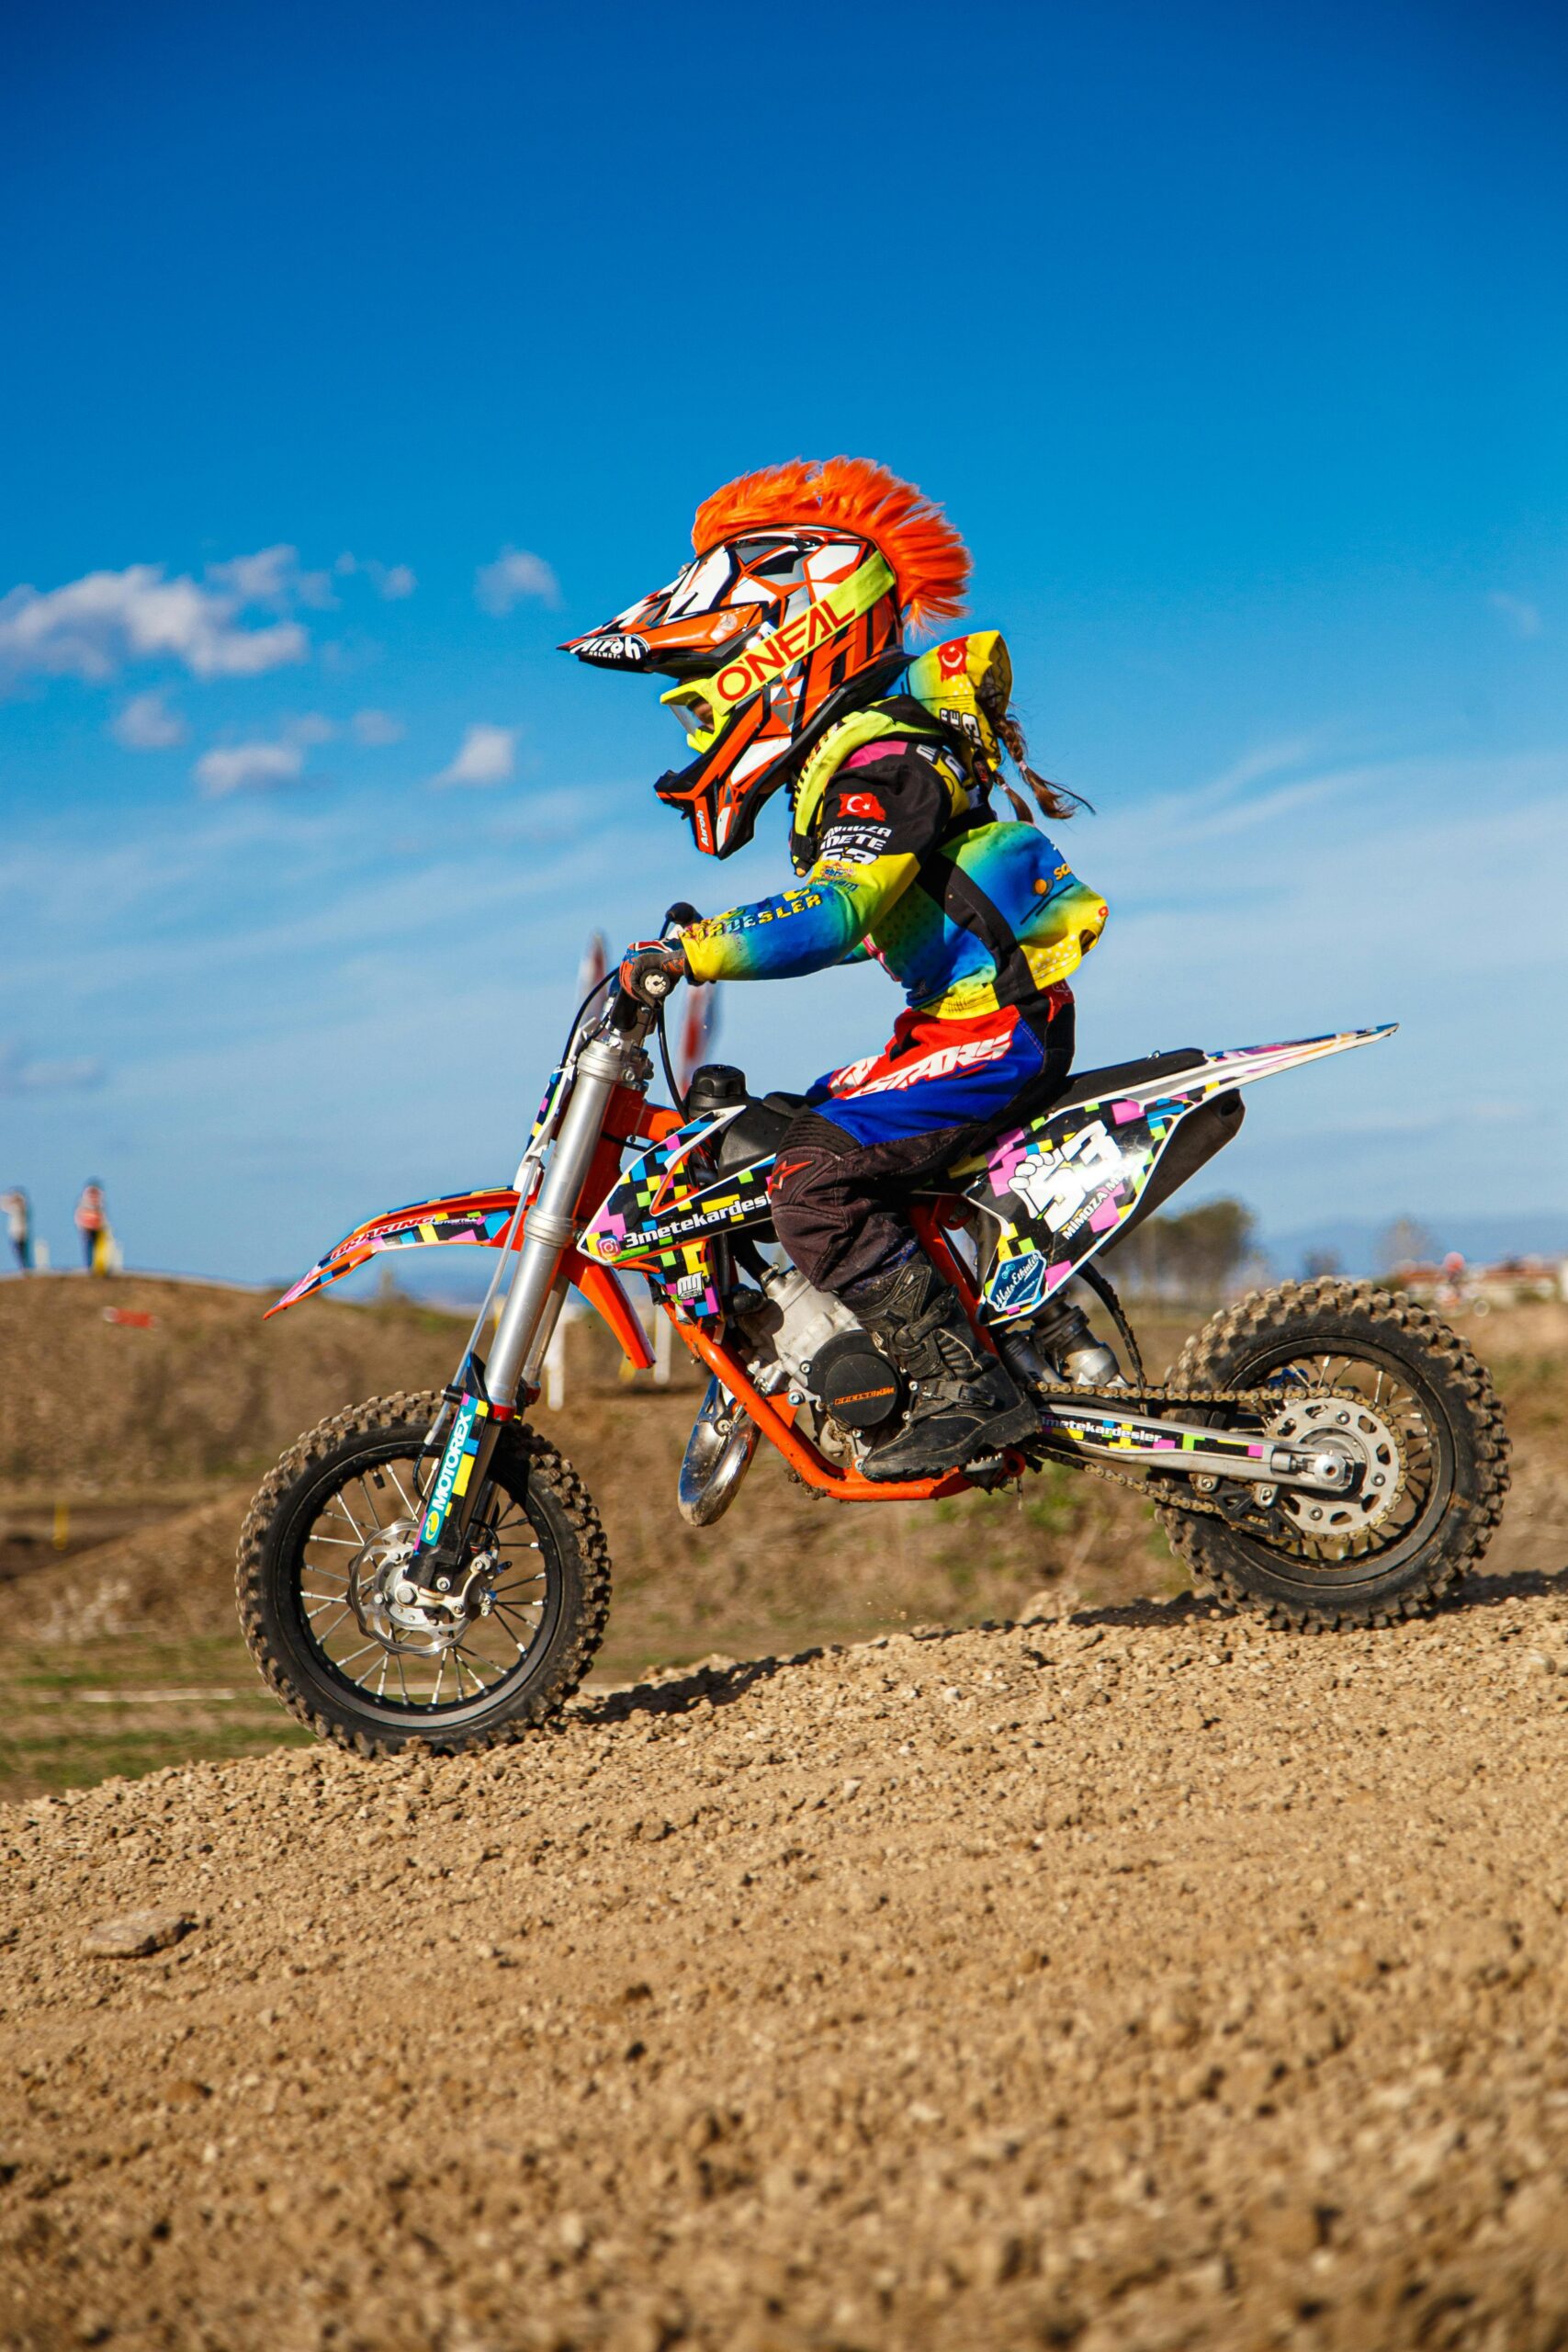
(375, 729)
(1263, 760)
(486, 756)
(248, 767)
(147, 724)
(257, 767)
(20, 1074)
(1523, 617)
(273, 576)
(390, 580)
(93, 625)
(513, 575)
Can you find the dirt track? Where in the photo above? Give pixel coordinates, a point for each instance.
(1136, 1979)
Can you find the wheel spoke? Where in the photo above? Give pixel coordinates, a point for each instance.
(372, 1512)
(402, 1498)
(378, 1502)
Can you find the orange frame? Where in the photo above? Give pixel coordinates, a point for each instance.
(778, 1423)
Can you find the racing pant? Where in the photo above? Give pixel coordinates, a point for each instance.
(873, 1131)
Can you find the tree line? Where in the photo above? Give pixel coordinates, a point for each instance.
(1194, 1254)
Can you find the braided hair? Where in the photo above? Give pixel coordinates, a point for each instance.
(1055, 800)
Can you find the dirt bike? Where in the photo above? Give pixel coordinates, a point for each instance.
(431, 1568)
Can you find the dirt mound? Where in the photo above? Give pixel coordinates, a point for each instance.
(1138, 1979)
(205, 1389)
(780, 1564)
(783, 1567)
(175, 1579)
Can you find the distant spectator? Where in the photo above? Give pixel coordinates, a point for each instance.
(92, 1224)
(19, 1224)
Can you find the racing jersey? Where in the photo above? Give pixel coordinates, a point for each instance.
(901, 859)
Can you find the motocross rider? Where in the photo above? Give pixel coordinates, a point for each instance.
(784, 637)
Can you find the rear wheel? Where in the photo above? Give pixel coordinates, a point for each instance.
(320, 1571)
(1416, 1414)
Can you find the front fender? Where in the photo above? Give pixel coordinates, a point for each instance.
(482, 1219)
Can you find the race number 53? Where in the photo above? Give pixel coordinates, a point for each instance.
(1054, 1185)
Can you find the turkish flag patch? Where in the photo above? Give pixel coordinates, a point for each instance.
(863, 804)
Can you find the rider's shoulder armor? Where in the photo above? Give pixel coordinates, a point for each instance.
(904, 719)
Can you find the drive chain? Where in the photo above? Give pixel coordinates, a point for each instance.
(1265, 1401)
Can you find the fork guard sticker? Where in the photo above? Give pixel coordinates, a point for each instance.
(456, 1469)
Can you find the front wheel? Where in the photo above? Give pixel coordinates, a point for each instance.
(1424, 1428)
(320, 1571)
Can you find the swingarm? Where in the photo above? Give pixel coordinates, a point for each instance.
(1149, 1441)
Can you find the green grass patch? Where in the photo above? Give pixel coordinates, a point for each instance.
(71, 1716)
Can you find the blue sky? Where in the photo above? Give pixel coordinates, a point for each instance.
(1232, 340)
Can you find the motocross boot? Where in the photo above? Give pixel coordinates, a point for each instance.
(964, 1400)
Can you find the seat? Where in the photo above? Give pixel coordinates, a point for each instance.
(760, 1126)
(1098, 1085)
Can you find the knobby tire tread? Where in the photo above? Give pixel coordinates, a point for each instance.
(544, 1701)
(1479, 1432)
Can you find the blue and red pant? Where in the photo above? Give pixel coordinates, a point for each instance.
(873, 1131)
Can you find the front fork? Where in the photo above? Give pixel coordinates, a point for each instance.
(486, 1398)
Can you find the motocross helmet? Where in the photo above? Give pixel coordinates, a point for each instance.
(791, 616)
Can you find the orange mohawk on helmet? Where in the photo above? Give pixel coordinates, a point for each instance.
(928, 559)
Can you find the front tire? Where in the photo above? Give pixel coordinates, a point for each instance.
(308, 1552)
(1453, 1439)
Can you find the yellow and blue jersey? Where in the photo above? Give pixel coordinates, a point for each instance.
(901, 859)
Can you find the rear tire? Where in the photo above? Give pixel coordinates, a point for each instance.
(367, 1452)
(1456, 1436)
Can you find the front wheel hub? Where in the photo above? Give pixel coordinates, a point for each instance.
(395, 1610)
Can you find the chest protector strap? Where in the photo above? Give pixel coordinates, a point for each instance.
(965, 904)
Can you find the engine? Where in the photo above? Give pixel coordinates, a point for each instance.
(832, 1360)
(855, 1384)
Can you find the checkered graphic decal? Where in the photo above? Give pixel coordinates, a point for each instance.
(1062, 1187)
(664, 1215)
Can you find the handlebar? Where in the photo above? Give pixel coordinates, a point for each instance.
(625, 1013)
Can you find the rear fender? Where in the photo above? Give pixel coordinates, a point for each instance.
(483, 1220)
(1060, 1189)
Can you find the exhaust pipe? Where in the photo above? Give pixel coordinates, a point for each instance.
(718, 1453)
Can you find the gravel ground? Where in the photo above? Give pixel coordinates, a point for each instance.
(1131, 1979)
